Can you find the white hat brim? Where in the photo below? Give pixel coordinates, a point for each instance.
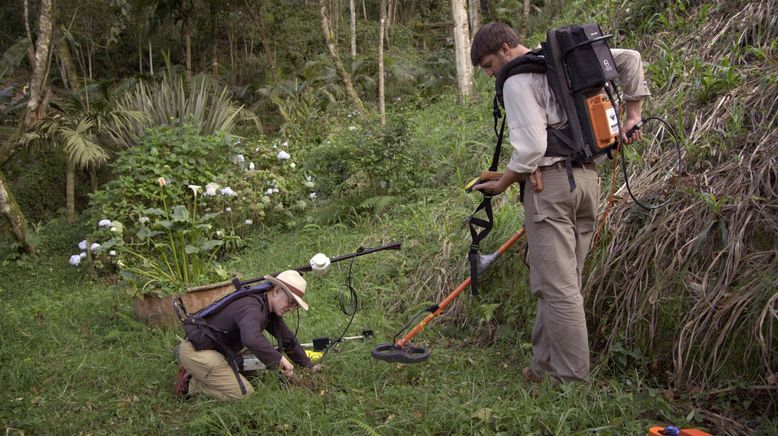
(286, 287)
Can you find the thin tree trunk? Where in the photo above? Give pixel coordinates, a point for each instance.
(462, 49)
(353, 29)
(63, 51)
(38, 88)
(70, 190)
(186, 32)
(474, 11)
(14, 216)
(30, 52)
(259, 16)
(364, 10)
(151, 59)
(524, 20)
(381, 96)
(345, 77)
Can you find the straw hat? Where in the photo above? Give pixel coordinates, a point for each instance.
(293, 283)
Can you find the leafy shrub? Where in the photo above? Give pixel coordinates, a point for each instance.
(365, 161)
(239, 185)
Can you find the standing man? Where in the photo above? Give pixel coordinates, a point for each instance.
(209, 353)
(559, 221)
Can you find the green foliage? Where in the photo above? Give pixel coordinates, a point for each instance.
(202, 103)
(175, 249)
(364, 161)
(714, 80)
(13, 57)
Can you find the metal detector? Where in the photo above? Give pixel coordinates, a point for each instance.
(401, 350)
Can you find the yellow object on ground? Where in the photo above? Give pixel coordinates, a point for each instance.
(315, 356)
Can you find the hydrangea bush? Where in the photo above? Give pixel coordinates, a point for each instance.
(180, 202)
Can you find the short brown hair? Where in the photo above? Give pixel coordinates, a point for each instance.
(490, 38)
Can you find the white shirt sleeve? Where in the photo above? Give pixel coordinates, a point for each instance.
(530, 107)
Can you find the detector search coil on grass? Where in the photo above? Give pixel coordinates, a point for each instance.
(401, 350)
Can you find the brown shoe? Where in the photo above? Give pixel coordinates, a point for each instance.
(530, 375)
(181, 387)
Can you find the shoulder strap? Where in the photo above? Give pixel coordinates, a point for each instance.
(532, 62)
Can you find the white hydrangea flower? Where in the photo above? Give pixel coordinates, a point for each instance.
(352, 128)
(251, 166)
(112, 253)
(143, 219)
(228, 210)
(75, 260)
(104, 223)
(82, 244)
(282, 155)
(309, 184)
(238, 158)
(275, 190)
(312, 195)
(228, 192)
(210, 189)
(82, 254)
(285, 144)
(249, 222)
(94, 246)
(269, 191)
(292, 165)
(114, 229)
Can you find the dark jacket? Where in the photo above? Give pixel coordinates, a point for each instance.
(241, 323)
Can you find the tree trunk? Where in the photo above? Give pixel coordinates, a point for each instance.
(353, 29)
(13, 215)
(524, 21)
(474, 11)
(186, 32)
(381, 97)
(259, 16)
(70, 190)
(345, 77)
(214, 38)
(63, 51)
(38, 88)
(462, 49)
(30, 52)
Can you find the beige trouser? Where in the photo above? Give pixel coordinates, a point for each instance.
(211, 374)
(559, 227)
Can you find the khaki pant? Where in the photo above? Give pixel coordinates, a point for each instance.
(211, 374)
(559, 226)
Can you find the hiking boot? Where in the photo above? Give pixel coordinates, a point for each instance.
(530, 375)
(181, 387)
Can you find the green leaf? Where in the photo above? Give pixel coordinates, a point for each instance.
(180, 213)
(210, 245)
(154, 211)
(191, 249)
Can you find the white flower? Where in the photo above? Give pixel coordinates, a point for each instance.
(228, 210)
(162, 181)
(210, 189)
(195, 188)
(352, 128)
(249, 222)
(275, 146)
(275, 190)
(82, 254)
(251, 166)
(238, 158)
(309, 178)
(282, 155)
(75, 260)
(269, 191)
(312, 195)
(112, 253)
(256, 149)
(285, 144)
(219, 233)
(104, 223)
(114, 229)
(82, 244)
(143, 219)
(94, 246)
(228, 192)
(309, 184)
(292, 165)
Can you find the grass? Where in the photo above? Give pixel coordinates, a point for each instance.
(76, 361)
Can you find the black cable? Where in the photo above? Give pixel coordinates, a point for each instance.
(674, 134)
(348, 308)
